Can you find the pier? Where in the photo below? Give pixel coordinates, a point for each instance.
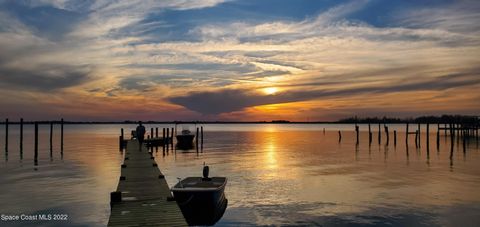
(143, 197)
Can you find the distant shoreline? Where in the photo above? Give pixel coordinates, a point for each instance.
(444, 119)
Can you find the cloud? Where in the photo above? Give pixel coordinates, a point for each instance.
(457, 16)
(227, 100)
(46, 78)
(179, 51)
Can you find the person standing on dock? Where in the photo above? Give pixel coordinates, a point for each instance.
(140, 133)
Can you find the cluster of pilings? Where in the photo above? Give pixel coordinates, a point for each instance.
(21, 123)
(153, 139)
(458, 131)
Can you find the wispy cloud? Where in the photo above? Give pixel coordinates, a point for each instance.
(114, 51)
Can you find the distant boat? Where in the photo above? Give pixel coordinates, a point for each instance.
(201, 199)
(186, 137)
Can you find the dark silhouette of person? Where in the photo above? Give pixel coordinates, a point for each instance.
(140, 133)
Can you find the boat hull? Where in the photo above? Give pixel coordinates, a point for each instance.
(201, 207)
(185, 139)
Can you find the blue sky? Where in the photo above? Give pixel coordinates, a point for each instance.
(238, 60)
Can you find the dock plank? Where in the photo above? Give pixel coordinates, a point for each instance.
(144, 193)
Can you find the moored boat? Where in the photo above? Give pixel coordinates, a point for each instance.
(185, 138)
(201, 199)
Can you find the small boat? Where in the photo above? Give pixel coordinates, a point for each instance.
(201, 199)
(185, 138)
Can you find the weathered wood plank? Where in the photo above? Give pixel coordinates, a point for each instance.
(144, 193)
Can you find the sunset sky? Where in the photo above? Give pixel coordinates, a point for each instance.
(302, 60)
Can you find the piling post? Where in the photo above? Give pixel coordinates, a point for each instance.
(457, 132)
(419, 134)
(156, 132)
(379, 134)
(387, 134)
(395, 137)
(36, 141)
(416, 138)
(6, 135)
(151, 132)
(369, 134)
(120, 140)
(168, 135)
(357, 132)
(61, 135)
(406, 135)
(438, 136)
(171, 137)
(21, 135)
(339, 136)
(428, 136)
(445, 130)
(51, 136)
(164, 141)
(196, 137)
(201, 134)
(452, 140)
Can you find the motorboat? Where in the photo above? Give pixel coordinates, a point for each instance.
(201, 199)
(185, 137)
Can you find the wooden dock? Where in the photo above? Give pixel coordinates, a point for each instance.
(144, 193)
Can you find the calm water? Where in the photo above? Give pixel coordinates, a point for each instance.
(278, 175)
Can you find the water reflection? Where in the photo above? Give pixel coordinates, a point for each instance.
(276, 176)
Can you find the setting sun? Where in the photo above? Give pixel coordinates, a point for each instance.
(270, 90)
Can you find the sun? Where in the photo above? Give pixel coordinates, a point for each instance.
(270, 90)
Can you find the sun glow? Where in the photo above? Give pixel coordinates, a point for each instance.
(270, 90)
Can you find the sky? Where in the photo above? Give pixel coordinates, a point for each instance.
(238, 60)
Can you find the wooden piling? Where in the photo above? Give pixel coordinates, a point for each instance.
(379, 134)
(120, 143)
(339, 136)
(452, 140)
(357, 132)
(164, 140)
(369, 134)
(395, 137)
(151, 132)
(438, 136)
(6, 135)
(36, 141)
(171, 137)
(201, 134)
(406, 135)
(457, 133)
(196, 137)
(445, 130)
(387, 134)
(51, 136)
(419, 134)
(120, 140)
(21, 135)
(168, 135)
(428, 136)
(156, 132)
(416, 138)
(61, 135)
